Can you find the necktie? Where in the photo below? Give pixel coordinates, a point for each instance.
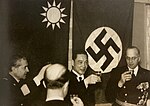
(80, 79)
(133, 75)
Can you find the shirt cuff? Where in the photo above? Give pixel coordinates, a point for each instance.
(86, 85)
(120, 85)
(37, 81)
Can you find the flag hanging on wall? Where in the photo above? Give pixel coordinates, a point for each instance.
(104, 29)
(39, 29)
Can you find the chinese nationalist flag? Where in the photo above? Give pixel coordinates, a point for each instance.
(103, 28)
(39, 29)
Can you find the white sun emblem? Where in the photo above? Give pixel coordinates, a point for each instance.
(53, 15)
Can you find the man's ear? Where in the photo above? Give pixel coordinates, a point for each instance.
(139, 59)
(12, 68)
(65, 88)
(44, 84)
(66, 84)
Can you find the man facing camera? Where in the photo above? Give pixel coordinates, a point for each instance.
(56, 81)
(129, 85)
(78, 83)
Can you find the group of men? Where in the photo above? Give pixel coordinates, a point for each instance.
(127, 86)
(53, 80)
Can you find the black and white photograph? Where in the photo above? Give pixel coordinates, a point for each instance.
(74, 52)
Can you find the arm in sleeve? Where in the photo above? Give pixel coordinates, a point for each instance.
(112, 86)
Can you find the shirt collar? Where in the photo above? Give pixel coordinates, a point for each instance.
(14, 77)
(54, 98)
(78, 75)
(135, 70)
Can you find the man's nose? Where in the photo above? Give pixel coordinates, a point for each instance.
(27, 69)
(130, 60)
(84, 64)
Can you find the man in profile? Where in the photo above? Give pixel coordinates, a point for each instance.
(14, 89)
(56, 81)
(129, 85)
(11, 90)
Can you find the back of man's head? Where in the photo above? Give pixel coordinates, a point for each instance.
(56, 76)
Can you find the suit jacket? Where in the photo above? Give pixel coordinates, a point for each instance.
(38, 97)
(78, 88)
(10, 93)
(55, 103)
(129, 91)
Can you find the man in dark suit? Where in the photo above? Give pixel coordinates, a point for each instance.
(56, 81)
(14, 90)
(129, 85)
(78, 82)
(11, 90)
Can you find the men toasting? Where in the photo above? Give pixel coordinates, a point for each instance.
(78, 83)
(129, 85)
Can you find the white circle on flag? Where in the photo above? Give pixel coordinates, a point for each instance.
(53, 18)
(109, 35)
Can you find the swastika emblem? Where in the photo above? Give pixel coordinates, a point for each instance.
(104, 49)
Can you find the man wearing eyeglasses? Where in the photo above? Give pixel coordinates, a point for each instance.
(129, 85)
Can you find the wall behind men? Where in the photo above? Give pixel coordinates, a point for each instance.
(139, 29)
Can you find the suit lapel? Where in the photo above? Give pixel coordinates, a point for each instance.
(139, 73)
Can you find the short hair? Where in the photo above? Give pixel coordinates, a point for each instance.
(14, 58)
(132, 47)
(58, 82)
(75, 53)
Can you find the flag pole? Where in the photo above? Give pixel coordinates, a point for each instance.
(70, 37)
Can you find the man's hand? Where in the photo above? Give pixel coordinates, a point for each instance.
(92, 79)
(126, 76)
(40, 75)
(76, 101)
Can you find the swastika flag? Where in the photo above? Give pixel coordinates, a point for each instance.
(103, 28)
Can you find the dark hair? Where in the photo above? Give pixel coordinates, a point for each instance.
(13, 60)
(59, 83)
(75, 53)
(133, 47)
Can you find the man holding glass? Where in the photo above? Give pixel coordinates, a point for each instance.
(129, 85)
(78, 84)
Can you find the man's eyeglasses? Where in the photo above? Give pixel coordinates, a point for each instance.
(131, 58)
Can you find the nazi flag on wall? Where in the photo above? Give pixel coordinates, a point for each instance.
(104, 29)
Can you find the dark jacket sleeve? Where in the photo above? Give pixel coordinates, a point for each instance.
(112, 85)
(9, 94)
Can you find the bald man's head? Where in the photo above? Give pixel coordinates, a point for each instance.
(56, 76)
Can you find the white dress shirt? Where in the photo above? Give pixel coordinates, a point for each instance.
(135, 70)
(78, 76)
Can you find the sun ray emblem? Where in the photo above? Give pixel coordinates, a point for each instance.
(53, 15)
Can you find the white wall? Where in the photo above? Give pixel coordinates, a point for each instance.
(139, 30)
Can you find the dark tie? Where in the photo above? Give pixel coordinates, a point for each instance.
(133, 75)
(80, 79)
